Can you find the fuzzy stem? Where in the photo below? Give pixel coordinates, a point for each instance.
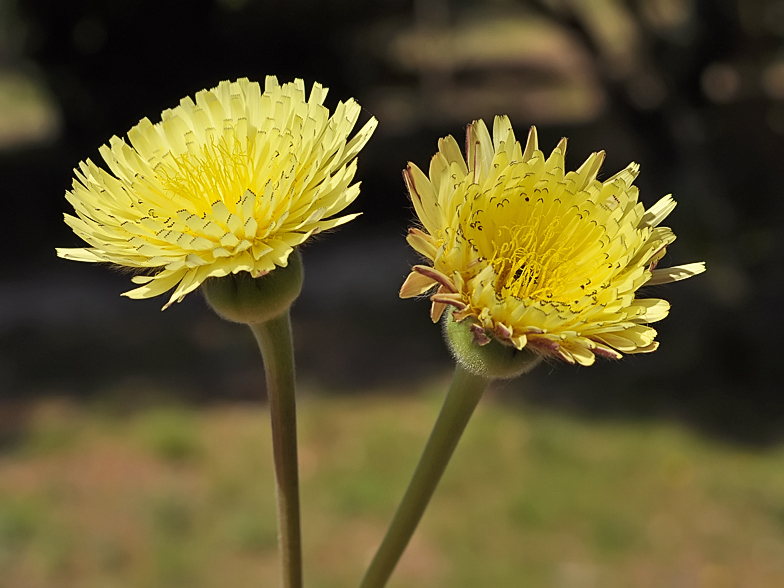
(277, 350)
(461, 400)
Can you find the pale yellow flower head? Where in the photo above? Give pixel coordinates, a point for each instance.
(535, 257)
(229, 182)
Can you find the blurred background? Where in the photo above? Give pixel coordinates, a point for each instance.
(116, 420)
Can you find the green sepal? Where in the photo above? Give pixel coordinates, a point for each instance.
(241, 298)
(492, 360)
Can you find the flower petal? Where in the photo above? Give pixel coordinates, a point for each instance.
(416, 284)
(423, 197)
(675, 273)
(658, 212)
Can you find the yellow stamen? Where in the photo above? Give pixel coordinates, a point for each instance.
(218, 171)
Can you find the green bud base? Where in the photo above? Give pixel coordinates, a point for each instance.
(493, 360)
(241, 298)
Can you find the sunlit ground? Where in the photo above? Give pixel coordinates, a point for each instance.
(168, 497)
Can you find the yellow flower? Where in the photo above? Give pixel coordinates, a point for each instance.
(230, 182)
(536, 257)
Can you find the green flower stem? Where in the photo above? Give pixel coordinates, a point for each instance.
(277, 350)
(461, 400)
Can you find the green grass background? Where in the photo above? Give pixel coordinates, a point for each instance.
(166, 497)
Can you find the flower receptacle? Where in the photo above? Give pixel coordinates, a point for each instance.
(241, 298)
(491, 360)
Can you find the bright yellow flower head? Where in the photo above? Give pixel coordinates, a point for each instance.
(230, 182)
(536, 257)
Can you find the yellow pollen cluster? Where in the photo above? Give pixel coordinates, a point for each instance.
(535, 256)
(529, 265)
(202, 178)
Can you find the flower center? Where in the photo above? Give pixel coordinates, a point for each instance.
(220, 171)
(532, 261)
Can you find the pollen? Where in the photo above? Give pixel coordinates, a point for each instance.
(219, 170)
(529, 264)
